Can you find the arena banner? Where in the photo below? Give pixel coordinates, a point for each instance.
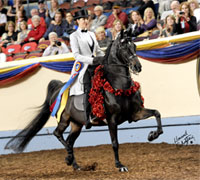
(177, 53)
(19, 72)
(151, 50)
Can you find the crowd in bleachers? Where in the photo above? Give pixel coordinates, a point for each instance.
(23, 37)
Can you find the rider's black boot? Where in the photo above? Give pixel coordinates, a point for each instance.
(87, 87)
(87, 111)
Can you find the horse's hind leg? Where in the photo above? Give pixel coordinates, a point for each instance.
(146, 113)
(74, 133)
(62, 125)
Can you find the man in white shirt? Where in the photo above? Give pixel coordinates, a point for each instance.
(55, 47)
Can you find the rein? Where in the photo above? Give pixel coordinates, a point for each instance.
(118, 74)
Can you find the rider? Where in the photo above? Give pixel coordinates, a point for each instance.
(84, 48)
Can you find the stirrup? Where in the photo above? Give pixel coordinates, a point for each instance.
(94, 120)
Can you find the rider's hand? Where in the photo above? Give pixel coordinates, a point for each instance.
(98, 60)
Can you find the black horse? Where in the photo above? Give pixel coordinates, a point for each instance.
(119, 60)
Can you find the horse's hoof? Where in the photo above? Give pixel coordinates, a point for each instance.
(76, 167)
(123, 169)
(153, 135)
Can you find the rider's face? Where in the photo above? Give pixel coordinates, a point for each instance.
(82, 23)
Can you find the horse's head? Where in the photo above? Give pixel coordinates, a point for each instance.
(126, 51)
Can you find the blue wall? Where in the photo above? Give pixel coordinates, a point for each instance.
(179, 130)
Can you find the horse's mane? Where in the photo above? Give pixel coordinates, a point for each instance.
(105, 60)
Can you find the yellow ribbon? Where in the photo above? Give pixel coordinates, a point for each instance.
(62, 104)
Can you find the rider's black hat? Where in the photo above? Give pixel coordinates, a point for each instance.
(40, 1)
(81, 14)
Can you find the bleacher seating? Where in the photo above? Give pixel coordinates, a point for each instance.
(19, 57)
(13, 49)
(9, 58)
(66, 6)
(42, 45)
(33, 55)
(29, 47)
(92, 2)
(79, 4)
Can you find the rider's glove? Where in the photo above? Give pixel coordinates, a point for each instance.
(98, 60)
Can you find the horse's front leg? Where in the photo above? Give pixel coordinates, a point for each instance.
(113, 134)
(146, 113)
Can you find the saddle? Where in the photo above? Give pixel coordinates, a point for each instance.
(78, 102)
(79, 105)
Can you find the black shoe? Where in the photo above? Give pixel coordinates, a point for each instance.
(88, 125)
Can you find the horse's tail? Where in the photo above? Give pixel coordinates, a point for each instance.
(21, 140)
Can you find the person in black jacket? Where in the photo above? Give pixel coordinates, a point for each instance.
(145, 4)
(185, 21)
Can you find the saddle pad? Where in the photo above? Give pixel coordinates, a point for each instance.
(78, 102)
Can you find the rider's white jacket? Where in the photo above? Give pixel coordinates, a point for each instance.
(84, 45)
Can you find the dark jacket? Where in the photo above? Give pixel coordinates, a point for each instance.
(58, 29)
(192, 26)
(146, 5)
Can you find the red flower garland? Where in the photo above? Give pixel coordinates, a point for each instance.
(96, 98)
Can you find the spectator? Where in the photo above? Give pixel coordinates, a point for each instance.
(2, 56)
(102, 39)
(115, 30)
(147, 4)
(175, 6)
(70, 24)
(12, 11)
(168, 27)
(164, 5)
(10, 36)
(3, 21)
(185, 21)
(23, 32)
(42, 12)
(55, 47)
(57, 26)
(149, 23)
(2, 9)
(90, 16)
(117, 14)
(135, 21)
(51, 12)
(194, 6)
(19, 18)
(100, 19)
(30, 23)
(37, 32)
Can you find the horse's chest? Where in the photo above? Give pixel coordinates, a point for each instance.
(117, 103)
